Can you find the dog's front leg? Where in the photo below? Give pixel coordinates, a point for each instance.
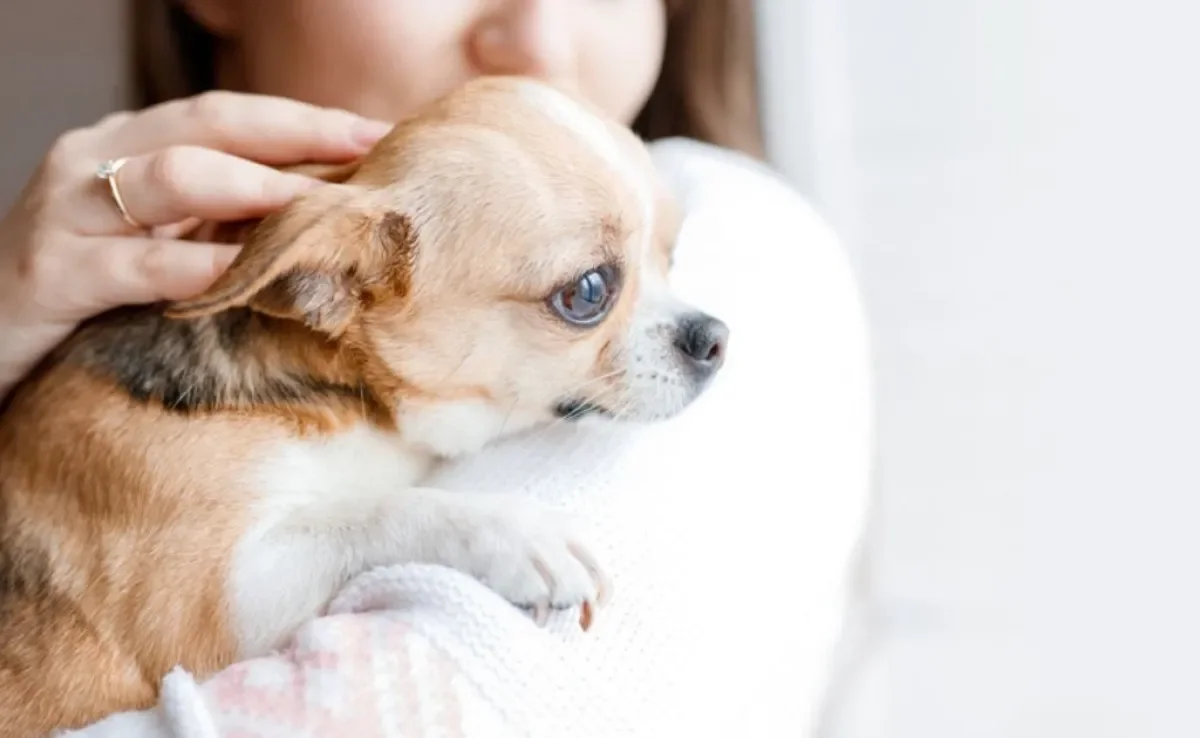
(288, 569)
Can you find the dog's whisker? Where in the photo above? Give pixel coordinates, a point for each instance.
(594, 380)
(596, 398)
(466, 357)
(593, 398)
(572, 390)
(589, 398)
(511, 409)
(620, 412)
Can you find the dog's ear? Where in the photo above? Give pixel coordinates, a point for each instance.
(332, 173)
(293, 264)
(311, 262)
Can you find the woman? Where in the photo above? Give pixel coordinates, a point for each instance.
(729, 584)
(68, 251)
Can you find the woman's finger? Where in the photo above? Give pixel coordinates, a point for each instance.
(187, 182)
(144, 270)
(272, 130)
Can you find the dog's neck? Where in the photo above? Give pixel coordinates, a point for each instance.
(235, 361)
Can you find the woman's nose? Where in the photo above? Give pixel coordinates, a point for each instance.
(524, 37)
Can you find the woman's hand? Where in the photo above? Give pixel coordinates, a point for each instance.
(66, 251)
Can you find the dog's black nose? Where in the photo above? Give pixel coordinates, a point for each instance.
(701, 341)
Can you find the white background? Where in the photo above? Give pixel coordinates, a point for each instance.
(1019, 184)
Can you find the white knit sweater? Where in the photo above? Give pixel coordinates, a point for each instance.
(728, 533)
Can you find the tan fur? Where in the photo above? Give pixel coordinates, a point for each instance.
(118, 517)
(125, 554)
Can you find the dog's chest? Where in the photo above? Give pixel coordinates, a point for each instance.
(360, 461)
(368, 461)
(454, 429)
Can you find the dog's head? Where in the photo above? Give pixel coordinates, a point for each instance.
(497, 261)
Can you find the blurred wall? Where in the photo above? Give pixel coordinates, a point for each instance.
(1016, 180)
(60, 67)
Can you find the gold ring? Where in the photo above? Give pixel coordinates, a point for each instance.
(108, 172)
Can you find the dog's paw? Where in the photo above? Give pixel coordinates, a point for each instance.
(528, 554)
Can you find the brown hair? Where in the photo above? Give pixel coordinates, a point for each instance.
(708, 88)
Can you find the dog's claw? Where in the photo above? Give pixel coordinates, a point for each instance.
(586, 613)
(604, 589)
(541, 612)
(603, 583)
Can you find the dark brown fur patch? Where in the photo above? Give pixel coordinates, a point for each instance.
(399, 242)
(200, 365)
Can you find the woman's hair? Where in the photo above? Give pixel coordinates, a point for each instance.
(708, 88)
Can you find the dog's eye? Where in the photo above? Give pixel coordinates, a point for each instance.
(588, 299)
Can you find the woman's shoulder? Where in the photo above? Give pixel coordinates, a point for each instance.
(731, 199)
(678, 151)
(693, 164)
(716, 180)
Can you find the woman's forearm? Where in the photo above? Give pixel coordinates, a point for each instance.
(22, 347)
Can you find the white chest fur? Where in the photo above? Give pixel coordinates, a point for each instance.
(313, 496)
(360, 461)
(321, 502)
(365, 462)
(452, 429)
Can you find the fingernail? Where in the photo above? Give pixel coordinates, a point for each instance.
(367, 133)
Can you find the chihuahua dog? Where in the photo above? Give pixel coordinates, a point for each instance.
(186, 484)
